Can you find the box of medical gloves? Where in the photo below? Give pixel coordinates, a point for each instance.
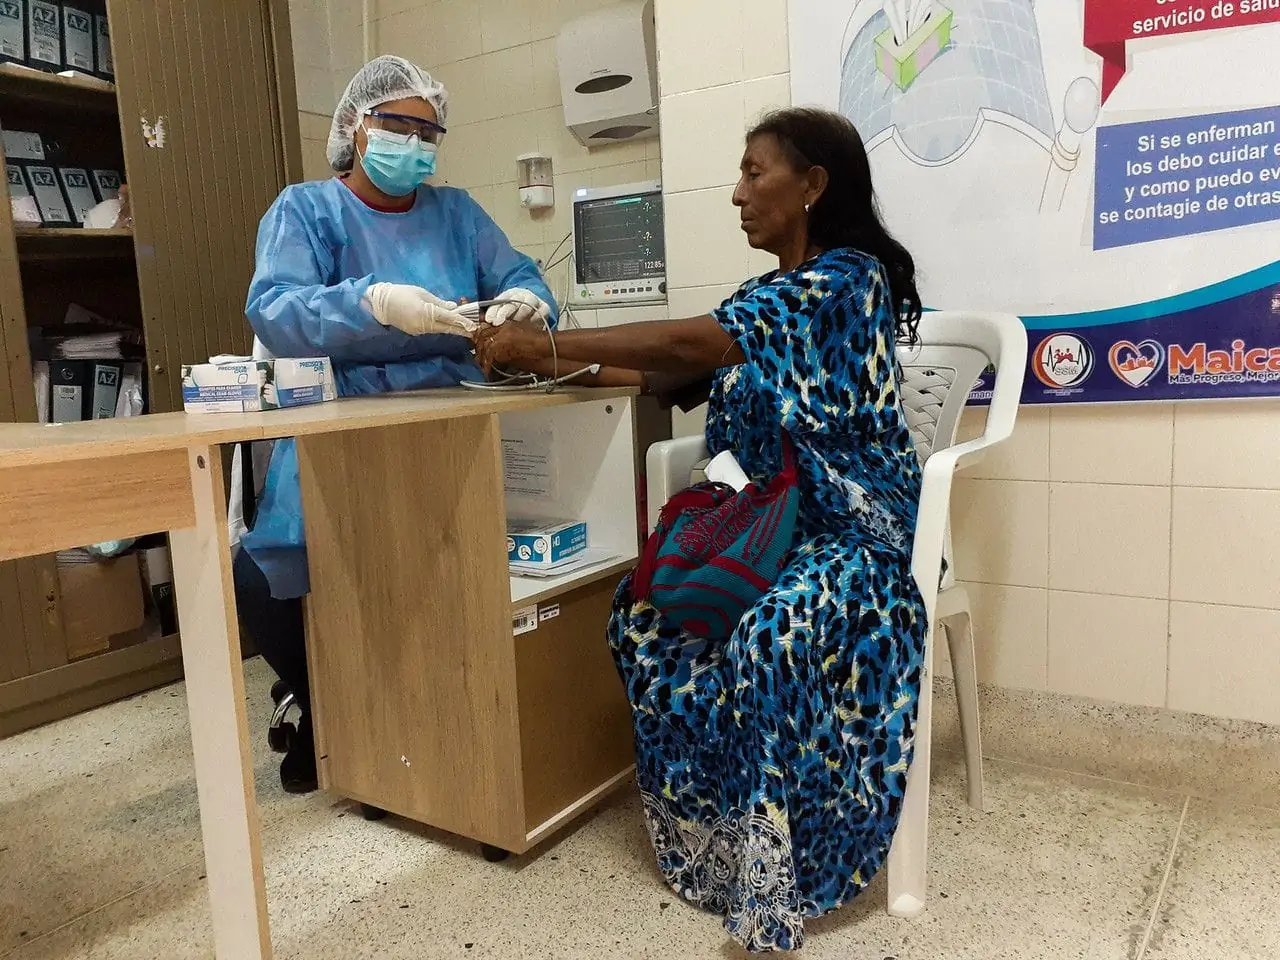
(544, 544)
(248, 386)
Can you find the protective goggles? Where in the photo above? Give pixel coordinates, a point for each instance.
(400, 125)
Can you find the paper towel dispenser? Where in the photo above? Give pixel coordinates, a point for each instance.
(609, 74)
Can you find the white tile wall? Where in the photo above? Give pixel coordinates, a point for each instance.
(693, 301)
(1225, 661)
(698, 223)
(503, 23)
(309, 24)
(1125, 445)
(1109, 539)
(1024, 456)
(457, 31)
(1001, 531)
(762, 95)
(711, 149)
(1148, 505)
(711, 43)
(693, 49)
(314, 129)
(1227, 445)
(1225, 547)
(1010, 634)
(1114, 648)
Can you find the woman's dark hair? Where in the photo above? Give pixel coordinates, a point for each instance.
(846, 215)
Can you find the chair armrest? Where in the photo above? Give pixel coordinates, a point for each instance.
(931, 520)
(668, 466)
(971, 452)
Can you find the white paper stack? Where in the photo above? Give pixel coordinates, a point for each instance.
(93, 346)
(582, 561)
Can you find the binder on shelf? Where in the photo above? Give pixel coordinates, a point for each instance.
(69, 380)
(106, 184)
(107, 377)
(44, 35)
(104, 66)
(80, 196)
(79, 39)
(22, 145)
(20, 198)
(54, 211)
(13, 31)
(130, 402)
(40, 374)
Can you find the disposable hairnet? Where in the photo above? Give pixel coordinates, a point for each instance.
(379, 81)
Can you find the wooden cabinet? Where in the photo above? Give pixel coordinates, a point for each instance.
(445, 688)
(202, 120)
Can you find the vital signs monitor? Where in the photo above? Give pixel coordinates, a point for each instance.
(619, 246)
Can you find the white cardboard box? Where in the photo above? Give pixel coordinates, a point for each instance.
(544, 544)
(248, 386)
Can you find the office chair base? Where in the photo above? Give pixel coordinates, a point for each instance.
(281, 734)
(280, 737)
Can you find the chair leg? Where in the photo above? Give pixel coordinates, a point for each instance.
(964, 668)
(909, 854)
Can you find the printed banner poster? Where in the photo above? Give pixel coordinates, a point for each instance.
(1108, 170)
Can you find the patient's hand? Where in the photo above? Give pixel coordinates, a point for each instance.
(513, 344)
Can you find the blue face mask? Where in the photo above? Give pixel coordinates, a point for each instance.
(397, 164)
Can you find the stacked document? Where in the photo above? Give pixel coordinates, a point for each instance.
(583, 561)
(94, 346)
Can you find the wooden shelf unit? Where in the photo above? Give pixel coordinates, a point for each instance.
(68, 243)
(73, 233)
(35, 86)
(180, 273)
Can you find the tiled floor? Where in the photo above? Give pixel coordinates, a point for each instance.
(100, 860)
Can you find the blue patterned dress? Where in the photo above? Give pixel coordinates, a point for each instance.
(772, 766)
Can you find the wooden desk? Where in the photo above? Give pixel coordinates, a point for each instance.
(425, 705)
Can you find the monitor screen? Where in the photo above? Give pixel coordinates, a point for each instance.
(619, 238)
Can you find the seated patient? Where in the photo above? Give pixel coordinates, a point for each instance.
(366, 268)
(772, 766)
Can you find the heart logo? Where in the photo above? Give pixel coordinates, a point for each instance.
(1136, 363)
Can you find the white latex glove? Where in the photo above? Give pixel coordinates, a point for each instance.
(529, 305)
(416, 311)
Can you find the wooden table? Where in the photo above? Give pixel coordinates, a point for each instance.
(404, 501)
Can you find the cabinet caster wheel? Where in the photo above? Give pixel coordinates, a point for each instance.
(493, 854)
(278, 691)
(370, 812)
(281, 737)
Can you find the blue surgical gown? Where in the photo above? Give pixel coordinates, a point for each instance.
(319, 249)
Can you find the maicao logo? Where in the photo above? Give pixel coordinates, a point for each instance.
(1136, 363)
(1197, 364)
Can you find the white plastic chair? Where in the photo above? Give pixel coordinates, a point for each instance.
(938, 375)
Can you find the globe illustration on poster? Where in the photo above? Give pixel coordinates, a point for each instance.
(928, 74)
